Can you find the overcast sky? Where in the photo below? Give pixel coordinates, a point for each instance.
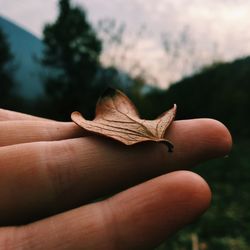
(197, 32)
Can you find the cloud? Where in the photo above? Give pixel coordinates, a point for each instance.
(29, 14)
(204, 30)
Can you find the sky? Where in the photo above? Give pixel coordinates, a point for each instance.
(164, 40)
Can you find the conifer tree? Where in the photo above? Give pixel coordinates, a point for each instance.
(6, 80)
(71, 55)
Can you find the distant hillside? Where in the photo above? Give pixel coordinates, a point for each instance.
(25, 47)
(221, 91)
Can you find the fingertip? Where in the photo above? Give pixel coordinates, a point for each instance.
(193, 190)
(219, 135)
(196, 141)
(151, 212)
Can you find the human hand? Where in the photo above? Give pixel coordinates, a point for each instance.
(50, 171)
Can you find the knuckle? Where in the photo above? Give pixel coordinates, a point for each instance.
(60, 174)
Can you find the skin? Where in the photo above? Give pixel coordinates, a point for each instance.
(51, 171)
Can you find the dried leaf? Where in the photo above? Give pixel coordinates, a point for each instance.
(117, 118)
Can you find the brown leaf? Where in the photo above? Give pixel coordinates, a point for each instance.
(117, 118)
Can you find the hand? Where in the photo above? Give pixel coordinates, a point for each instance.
(50, 171)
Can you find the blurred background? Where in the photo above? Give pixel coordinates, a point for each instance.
(59, 56)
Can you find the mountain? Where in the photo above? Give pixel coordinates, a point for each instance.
(26, 48)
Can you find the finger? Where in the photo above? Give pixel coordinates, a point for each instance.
(138, 218)
(23, 131)
(8, 115)
(39, 179)
(196, 141)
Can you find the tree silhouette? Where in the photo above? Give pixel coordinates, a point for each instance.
(71, 55)
(6, 81)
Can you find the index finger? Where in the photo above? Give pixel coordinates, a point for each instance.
(8, 115)
(24, 131)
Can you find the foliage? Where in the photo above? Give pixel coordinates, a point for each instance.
(6, 81)
(222, 92)
(72, 58)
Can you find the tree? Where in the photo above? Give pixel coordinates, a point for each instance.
(71, 55)
(6, 81)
